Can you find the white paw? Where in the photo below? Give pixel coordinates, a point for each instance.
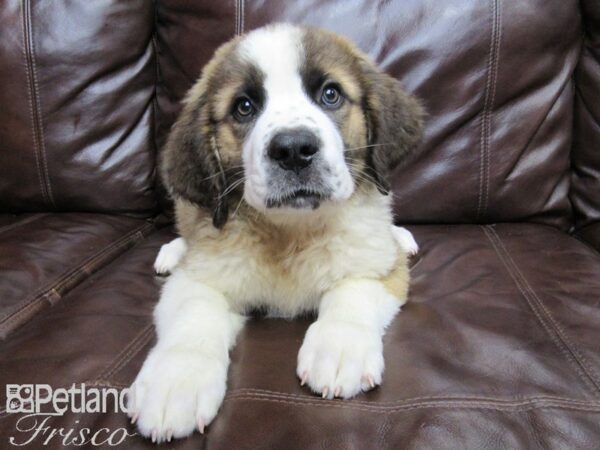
(405, 240)
(175, 393)
(340, 359)
(169, 256)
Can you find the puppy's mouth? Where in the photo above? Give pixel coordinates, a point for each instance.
(298, 199)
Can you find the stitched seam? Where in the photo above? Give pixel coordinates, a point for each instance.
(411, 400)
(427, 400)
(235, 15)
(482, 120)
(516, 407)
(45, 291)
(40, 121)
(409, 404)
(486, 114)
(239, 17)
(533, 307)
(242, 15)
(35, 108)
(559, 330)
(85, 267)
(530, 296)
(64, 279)
(492, 102)
(27, 56)
(137, 343)
(535, 310)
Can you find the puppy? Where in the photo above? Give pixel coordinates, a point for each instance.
(279, 167)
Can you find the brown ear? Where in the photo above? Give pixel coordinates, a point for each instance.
(394, 124)
(191, 166)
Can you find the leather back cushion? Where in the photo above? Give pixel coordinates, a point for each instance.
(585, 193)
(76, 106)
(495, 78)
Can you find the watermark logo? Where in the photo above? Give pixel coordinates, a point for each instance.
(40, 402)
(19, 398)
(42, 398)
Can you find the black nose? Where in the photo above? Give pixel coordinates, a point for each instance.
(293, 149)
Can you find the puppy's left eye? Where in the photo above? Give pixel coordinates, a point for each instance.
(243, 109)
(331, 96)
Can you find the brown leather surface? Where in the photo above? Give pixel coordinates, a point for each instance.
(590, 234)
(585, 157)
(77, 94)
(110, 313)
(187, 35)
(497, 348)
(6, 220)
(98, 334)
(495, 78)
(44, 255)
(498, 345)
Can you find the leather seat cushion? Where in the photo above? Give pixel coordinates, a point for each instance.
(496, 348)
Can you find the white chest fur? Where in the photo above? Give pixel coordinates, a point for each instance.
(287, 267)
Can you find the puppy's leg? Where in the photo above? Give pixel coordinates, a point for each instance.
(342, 352)
(405, 240)
(169, 256)
(182, 382)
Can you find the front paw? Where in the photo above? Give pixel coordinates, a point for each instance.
(340, 359)
(176, 392)
(405, 240)
(169, 256)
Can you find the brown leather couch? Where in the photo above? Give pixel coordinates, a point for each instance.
(499, 345)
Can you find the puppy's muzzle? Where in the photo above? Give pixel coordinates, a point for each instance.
(294, 149)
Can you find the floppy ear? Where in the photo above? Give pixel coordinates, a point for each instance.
(191, 165)
(394, 124)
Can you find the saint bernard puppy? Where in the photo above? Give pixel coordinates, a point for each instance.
(279, 168)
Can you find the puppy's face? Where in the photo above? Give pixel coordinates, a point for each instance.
(288, 118)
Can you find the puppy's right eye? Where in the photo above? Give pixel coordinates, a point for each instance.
(331, 96)
(243, 109)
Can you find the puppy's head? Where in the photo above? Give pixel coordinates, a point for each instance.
(286, 118)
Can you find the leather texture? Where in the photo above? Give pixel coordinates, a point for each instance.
(499, 352)
(78, 81)
(43, 255)
(497, 346)
(590, 234)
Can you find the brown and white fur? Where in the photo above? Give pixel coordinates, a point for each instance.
(279, 167)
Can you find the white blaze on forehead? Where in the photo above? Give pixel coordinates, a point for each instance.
(277, 51)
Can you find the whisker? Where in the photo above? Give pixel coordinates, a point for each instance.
(366, 146)
(231, 187)
(238, 206)
(219, 173)
(364, 176)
